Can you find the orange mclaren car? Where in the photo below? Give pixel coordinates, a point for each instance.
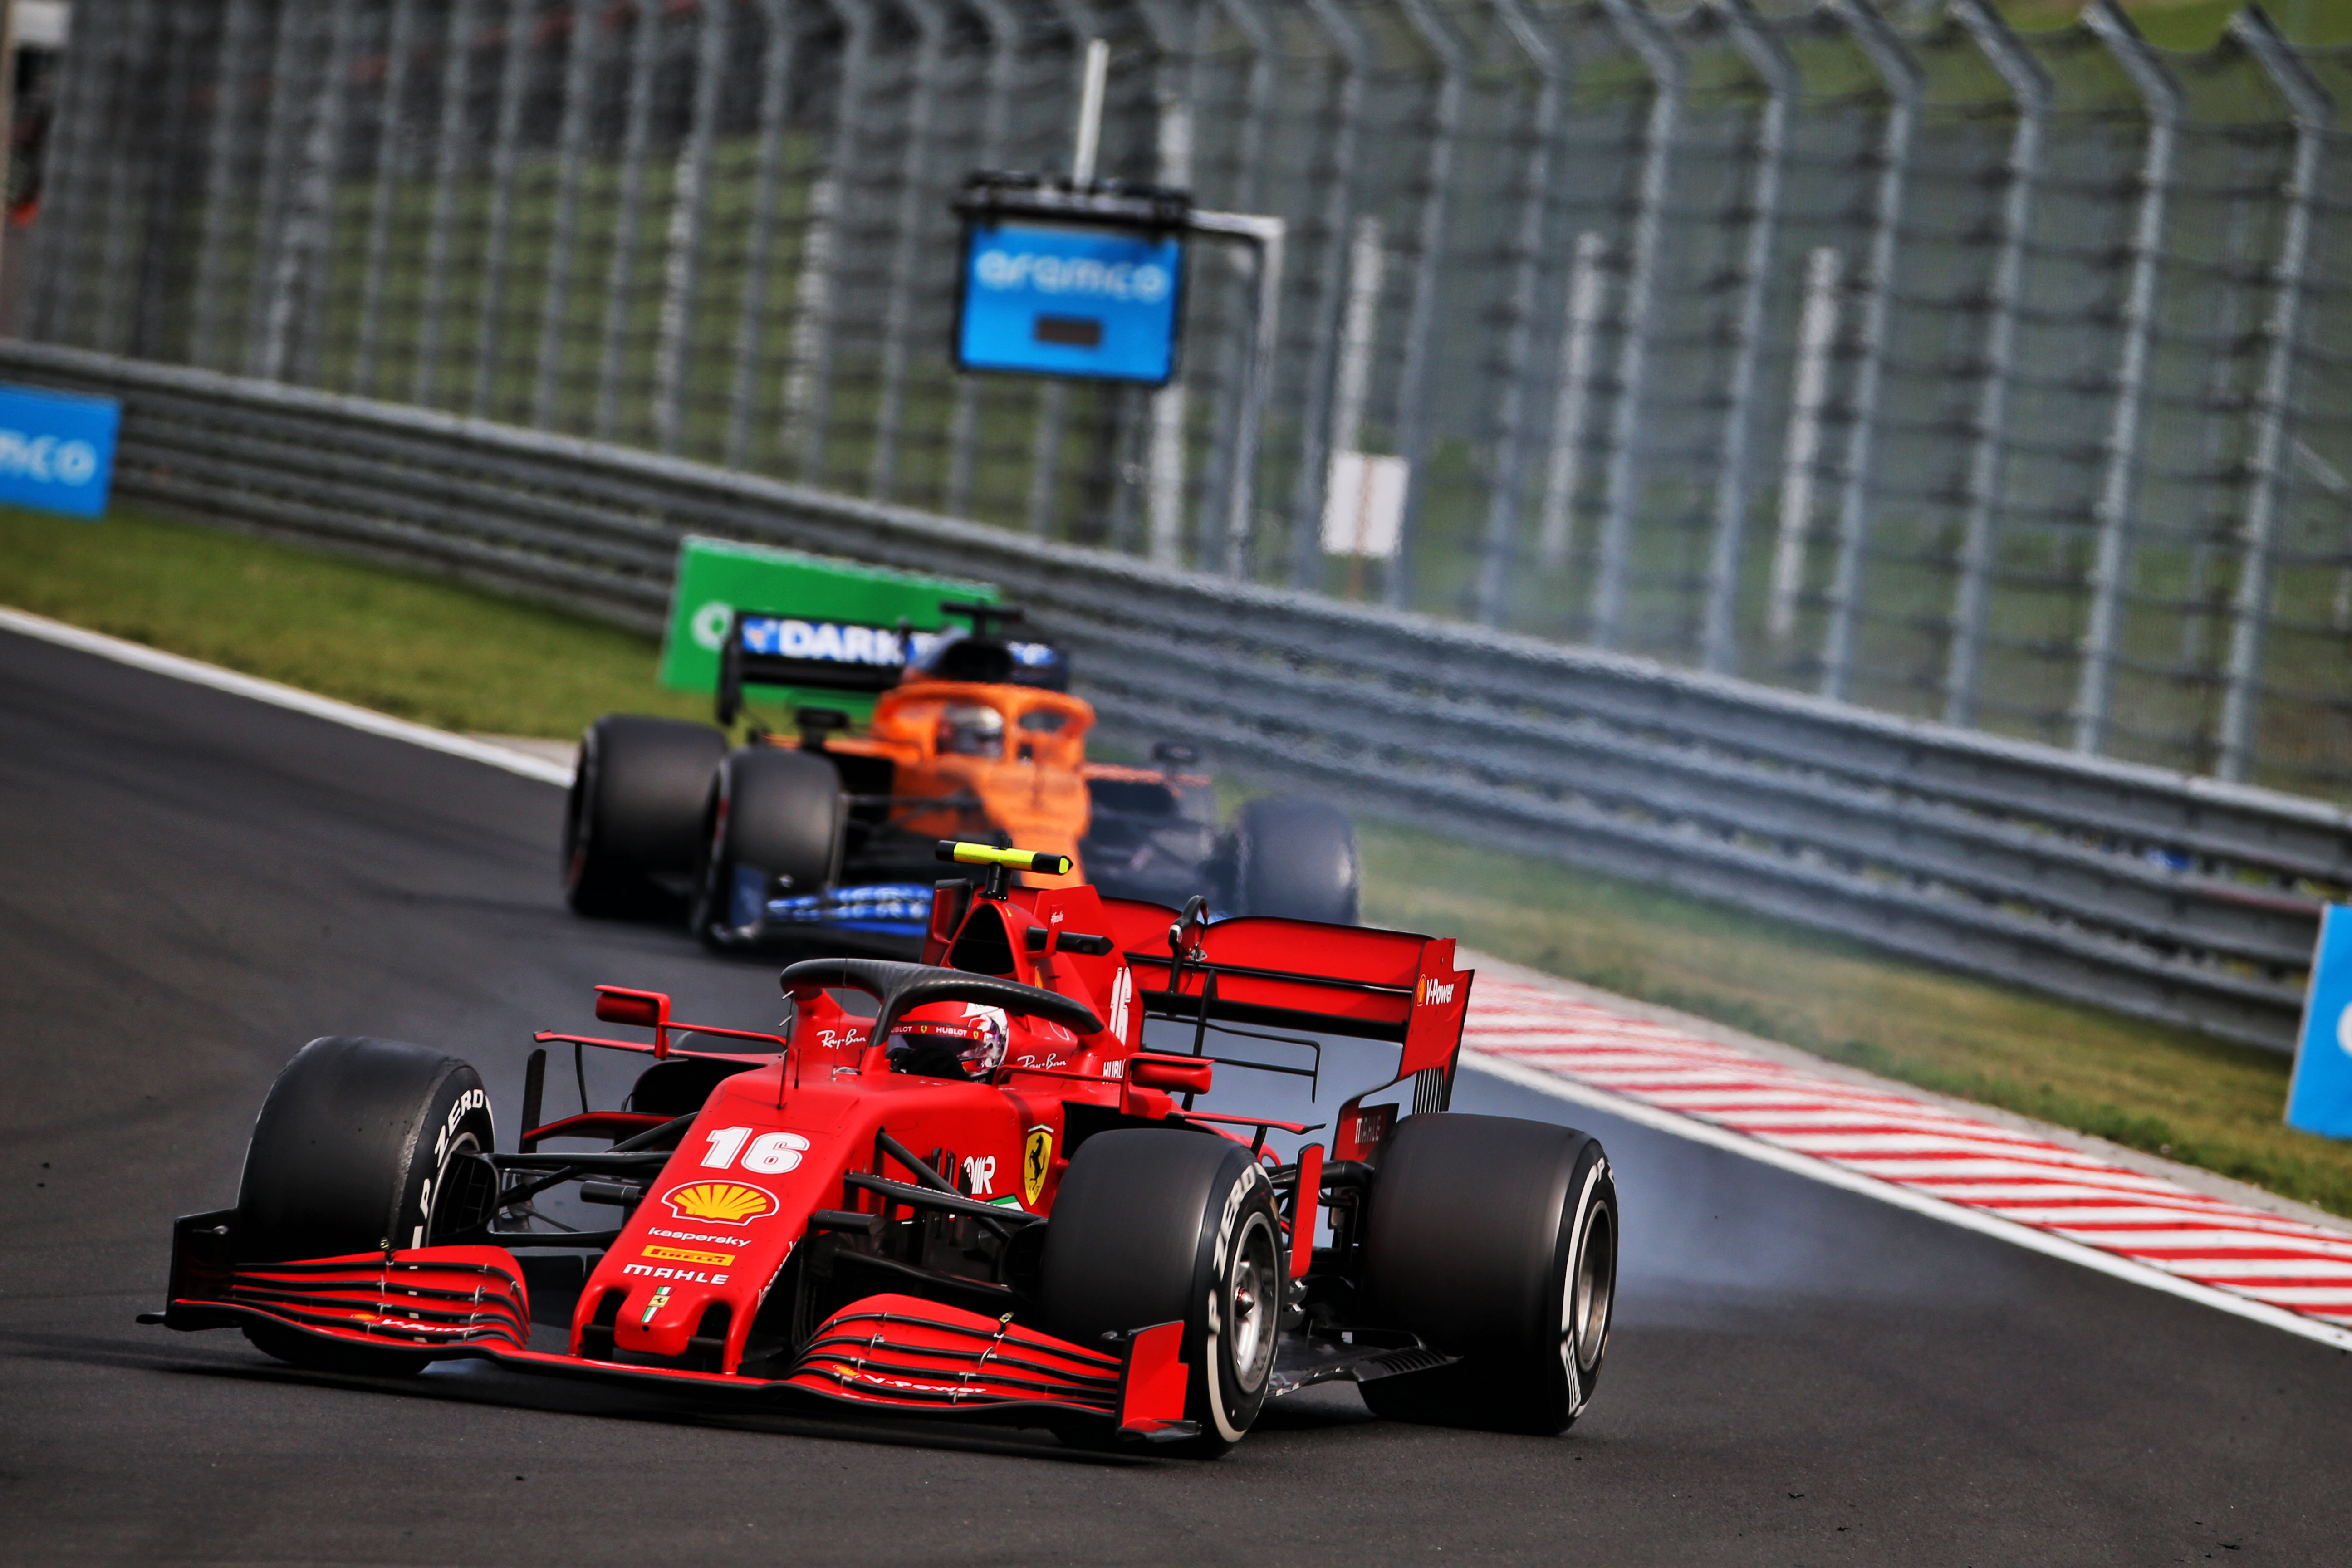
(822, 836)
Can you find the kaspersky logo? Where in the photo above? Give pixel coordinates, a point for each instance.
(1434, 993)
(724, 1203)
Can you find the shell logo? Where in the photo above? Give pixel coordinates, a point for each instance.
(728, 1203)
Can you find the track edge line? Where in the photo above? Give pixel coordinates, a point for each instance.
(351, 715)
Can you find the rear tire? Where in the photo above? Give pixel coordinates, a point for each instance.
(774, 813)
(1154, 1227)
(1494, 1239)
(1296, 859)
(353, 1153)
(634, 818)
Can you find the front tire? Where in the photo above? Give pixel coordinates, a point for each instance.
(632, 822)
(1494, 1239)
(1296, 858)
(773, 815)
(1154, 1227)
(354, 1152)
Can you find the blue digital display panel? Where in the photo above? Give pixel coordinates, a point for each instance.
(1054, 299)
(57, 450)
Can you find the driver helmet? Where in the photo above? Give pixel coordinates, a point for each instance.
(971, 730)
(948, 1039)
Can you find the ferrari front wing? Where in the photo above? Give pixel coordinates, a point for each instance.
(885, 1353)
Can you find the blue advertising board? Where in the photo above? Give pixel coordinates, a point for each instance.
(1061, 300)
(57, 451)
(2319, 1098)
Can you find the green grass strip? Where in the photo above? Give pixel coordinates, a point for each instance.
(437, 652)
(465, 659)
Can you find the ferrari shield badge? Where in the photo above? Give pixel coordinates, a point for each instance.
(1036, 1156)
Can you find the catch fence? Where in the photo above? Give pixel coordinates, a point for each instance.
(2191, 900)
(1895, 356)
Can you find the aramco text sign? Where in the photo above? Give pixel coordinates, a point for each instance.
(1082, 281)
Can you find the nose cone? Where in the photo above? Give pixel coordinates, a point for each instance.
(659, 1317)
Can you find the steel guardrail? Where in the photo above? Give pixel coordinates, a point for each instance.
(2158, 894)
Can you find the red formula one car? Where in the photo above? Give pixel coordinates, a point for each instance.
(975, 1196)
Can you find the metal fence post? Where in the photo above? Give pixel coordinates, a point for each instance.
(400, 44)
(1006, 34)
(117, 269)
(309, 208)
(914, 160)
(689, 211)
(1719, 630)
(449, 151)
(1358, 332)
(1166, 460)
(81, 113)
(71, 213)
(775, 86)
(1428, 265)
(621, 275)
(153, 275)
(1268, 238)
(1226, 437)
(1054, 397)
(2199, 602)
(1904, 82)
(2164, 102)
(1517, 326)
(2314, 113)
(272, 204)
(1356, 61)
(1801, 458)
(1980, 542)
(1642, 33)
(808, 384)
(588, 18)
(238, 39)
(1587, 298)
(320, 194)
(503, 158)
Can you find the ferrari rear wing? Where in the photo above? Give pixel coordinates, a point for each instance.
(1267, 972)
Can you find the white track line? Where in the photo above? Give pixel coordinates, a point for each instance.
(349, 714)
(1548, 1082)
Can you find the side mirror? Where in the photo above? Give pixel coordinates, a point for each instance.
(645, 1009)
(1173, 1075)
(1185, 936)
(639, 1009)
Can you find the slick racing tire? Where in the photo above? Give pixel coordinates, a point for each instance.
(771, 813)
(355, 1150)
(1296, 859)
(1154, 1227)
(1496, 1240)
(633, 818)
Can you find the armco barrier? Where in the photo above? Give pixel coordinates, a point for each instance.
(2163, 896)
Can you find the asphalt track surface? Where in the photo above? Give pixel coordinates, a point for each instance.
(192, 884)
